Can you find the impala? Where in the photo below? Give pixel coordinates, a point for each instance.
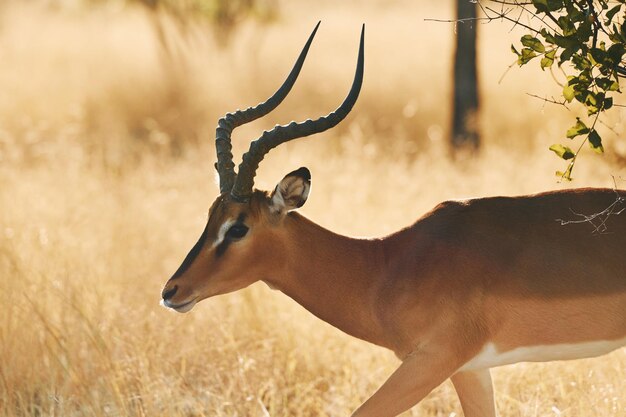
(471, 285)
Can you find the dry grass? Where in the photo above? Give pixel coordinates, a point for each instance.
(106, 175)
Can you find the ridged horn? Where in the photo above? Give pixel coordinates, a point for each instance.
(244, 182)
(225, 126)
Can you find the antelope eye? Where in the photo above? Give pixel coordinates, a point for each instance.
(237, 231)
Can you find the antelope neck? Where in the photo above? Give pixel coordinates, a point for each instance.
(334, 277)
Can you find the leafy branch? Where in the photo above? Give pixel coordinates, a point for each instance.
(585, 38)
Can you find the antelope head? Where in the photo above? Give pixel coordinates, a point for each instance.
(242, 240)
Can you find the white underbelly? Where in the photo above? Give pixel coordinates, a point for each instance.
(489, 356)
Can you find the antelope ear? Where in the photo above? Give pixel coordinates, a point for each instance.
(292, 191)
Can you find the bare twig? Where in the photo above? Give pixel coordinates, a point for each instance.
(495, 15)
(550, 100)
(506, 71)
(599, 220)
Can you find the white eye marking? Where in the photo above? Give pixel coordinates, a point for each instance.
(222, 232)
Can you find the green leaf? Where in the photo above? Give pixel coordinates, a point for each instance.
(566, 41)
(554, 5)
(580, 86)
(591, 102)
(615, 52)
(567, 26)
(546, 62)
(533, 43)
(580, 94)
(567, 175)
(576, 15)
(607, 84)
(578, 129)
(515, 50)
(567, 53)
(541, 5)
(584, 31)
(548, 37)
(580, 62)
(544, 6)
(568, 93)
(563, 152)
(548, 59)
(585, 77)
(598, 55)
(526, 55)
(615, 35)
(609, 15)
(595, 142)
(608, 103)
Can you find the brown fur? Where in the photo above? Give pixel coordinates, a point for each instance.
(498, 270)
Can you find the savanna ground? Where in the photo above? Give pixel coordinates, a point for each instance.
(106, 153)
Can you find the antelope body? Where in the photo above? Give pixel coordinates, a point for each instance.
(471, 285)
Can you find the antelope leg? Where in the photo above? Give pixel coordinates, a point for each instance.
(418, 374)
(475, 392)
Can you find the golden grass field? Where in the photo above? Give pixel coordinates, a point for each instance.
(106, 155)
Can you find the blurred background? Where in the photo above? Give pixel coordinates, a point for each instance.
(107, 120)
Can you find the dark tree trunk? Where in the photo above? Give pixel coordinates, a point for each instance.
(465, 116)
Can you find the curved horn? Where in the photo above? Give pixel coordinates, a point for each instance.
(225, 166)
(270, 139)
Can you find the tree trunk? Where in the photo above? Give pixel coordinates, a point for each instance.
(465, 114)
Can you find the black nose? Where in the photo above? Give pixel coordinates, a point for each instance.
(169, 293)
